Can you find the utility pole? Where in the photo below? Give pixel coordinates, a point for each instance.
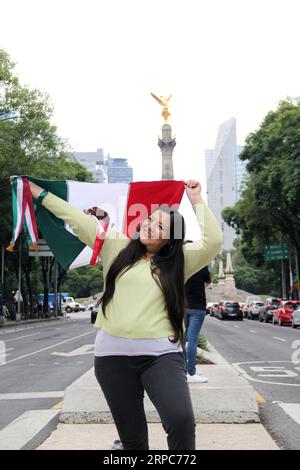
(297, 273)
(2, 286)
(18, 315)
(283, 280)
(55, 289)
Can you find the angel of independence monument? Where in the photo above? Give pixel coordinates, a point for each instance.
(166, 142)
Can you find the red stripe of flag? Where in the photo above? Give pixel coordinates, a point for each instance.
(150, 193)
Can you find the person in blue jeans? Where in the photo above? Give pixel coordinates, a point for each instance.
(194, 318)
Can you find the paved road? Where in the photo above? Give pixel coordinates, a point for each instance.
(269, 357)
(37, 363)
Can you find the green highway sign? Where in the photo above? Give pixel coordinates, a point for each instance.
(276, 252)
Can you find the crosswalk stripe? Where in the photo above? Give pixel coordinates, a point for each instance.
(292, 409)
(24, 428)
(31, 395)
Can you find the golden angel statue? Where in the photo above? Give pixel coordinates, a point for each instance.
(164, 102)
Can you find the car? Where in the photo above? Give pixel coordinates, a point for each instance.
(94, 310)
(230, 310)
(94, 313)
(266, 313)
(283, 314)
(245, 311)
(218, 307)
(208, 307)
(254, 309)
(69, 305)
(213, 309)
(296, 317)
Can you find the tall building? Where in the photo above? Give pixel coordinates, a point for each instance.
(224, 176)
(118, 170)
(104, 170)
(94, 162)
(240, 171)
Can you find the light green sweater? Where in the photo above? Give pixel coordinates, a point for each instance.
(137, 309)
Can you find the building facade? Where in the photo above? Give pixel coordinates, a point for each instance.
(118, 170)
(224, 175)
(104, 170)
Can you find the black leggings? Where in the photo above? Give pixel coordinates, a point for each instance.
(124, 379)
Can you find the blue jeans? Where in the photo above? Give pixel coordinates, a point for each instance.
(193, 323)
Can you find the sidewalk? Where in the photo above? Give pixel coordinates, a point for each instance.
(13, 323)
(226, 413)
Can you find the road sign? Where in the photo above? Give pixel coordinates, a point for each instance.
(276, 252)
(43, 249)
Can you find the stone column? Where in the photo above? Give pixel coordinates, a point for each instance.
(167, 143)
(229, 288)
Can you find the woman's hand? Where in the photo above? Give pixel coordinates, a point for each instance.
(35, 189)
(193, 190)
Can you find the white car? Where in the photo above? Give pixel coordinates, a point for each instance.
(69, 305)
(296, 318)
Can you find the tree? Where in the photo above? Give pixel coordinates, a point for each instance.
(29, 145)
(269, 209)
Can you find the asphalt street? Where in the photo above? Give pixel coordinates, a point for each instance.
(268, 356)
(39, 361)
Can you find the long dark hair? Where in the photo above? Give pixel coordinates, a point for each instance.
(167, 269)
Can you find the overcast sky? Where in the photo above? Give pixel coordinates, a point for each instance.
(99, 60)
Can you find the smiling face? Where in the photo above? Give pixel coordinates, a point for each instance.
(155, 230)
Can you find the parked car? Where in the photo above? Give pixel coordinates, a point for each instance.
(245, 311)
(266, 313)
(208, 307)
(213, 309)
(254, 309)
(283, 314)
(296, 317)
(94, 310)
(230, 310)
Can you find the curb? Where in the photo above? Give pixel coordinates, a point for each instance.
(226, 398)
(11, 324)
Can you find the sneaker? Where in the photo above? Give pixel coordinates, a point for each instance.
(117, 445)
(196, 378)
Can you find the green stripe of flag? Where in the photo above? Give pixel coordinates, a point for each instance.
(64, 245)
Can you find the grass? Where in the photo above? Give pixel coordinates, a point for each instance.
(202, 342)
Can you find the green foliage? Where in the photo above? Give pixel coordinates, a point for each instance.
(29, 145)
(269, 209)
(83, 282)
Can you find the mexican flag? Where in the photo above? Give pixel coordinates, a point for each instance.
(119, 200)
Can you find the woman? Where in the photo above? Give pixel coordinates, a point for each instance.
(140, 325)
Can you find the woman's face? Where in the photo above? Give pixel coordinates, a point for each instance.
(155, 230)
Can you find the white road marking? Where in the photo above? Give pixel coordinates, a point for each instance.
(253, 331)
(279, 339)
(24, 428)
(21, 337)
(45, 349)
(4, 352)
(240, 369)
(235, 326)
(31, 395)
(85, 349)
(292, 409)
(274, 371)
